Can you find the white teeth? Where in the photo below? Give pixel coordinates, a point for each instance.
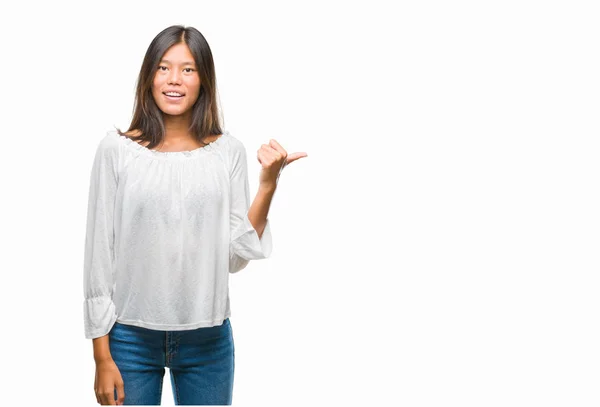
(173, 94)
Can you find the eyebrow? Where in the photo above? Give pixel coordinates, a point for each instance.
(184, 63)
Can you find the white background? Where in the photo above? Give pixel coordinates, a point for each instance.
(438, 246)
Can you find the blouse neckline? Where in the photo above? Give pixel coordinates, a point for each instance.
(172, 154)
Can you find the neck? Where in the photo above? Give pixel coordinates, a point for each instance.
(176, 127)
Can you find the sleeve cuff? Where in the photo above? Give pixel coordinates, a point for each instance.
(99, 316)
(246, 244)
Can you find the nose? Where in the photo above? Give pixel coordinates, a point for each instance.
(174, 77)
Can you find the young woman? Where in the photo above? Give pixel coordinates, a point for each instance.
(169, 218)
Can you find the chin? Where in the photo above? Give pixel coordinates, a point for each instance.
(174, 112)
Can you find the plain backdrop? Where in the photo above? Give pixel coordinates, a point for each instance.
(437, 247)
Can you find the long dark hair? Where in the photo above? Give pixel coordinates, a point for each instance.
(147, 117)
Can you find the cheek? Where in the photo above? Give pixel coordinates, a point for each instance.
(156, 87)
(156, 82)
(196, 87)
(155, 94)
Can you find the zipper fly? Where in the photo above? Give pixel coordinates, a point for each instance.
(167, 348)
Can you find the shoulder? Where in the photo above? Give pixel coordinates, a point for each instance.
(234, 151)
(110, 145)
(235, 146)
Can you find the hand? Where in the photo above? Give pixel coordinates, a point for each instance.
(107, 378)
(273, 159)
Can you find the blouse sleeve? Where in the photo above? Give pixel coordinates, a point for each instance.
(245, 244)
(98, 308)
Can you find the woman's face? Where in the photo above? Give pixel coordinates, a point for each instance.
(177, 72)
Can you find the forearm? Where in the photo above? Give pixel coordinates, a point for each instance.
(101, 349)
(259, 210)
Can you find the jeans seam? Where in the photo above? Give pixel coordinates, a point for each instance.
(176, 390)
(160, 392)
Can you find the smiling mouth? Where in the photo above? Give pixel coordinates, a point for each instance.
(173, 95)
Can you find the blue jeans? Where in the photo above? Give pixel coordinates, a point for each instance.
(201, 362)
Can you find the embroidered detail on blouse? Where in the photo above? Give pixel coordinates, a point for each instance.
(172, 154)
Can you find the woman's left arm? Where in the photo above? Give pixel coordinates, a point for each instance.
(250, 230)
(273, 159)
(260, 208)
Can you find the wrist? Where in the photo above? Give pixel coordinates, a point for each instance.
(103, 359)
(267, 187)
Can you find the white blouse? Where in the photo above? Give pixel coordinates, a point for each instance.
(164, 230)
